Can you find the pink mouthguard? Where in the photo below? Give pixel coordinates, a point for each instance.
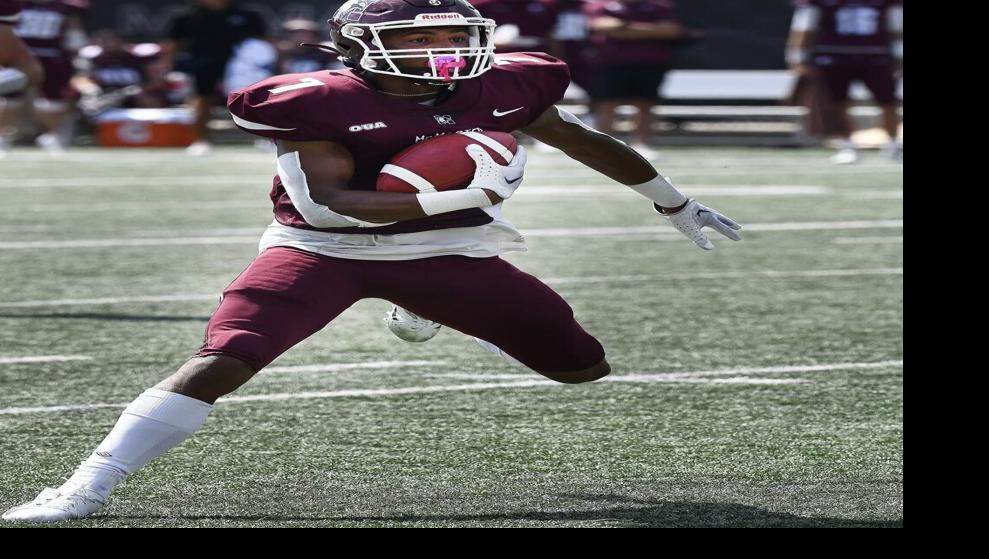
(445, 64)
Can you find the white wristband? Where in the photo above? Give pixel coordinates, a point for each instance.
(660, 191)
(452, 200)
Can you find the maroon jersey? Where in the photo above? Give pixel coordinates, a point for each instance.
(114, 70)
(534, 18)
(852, 26)
(43, 24)
(341, 107)
(613, 51)
(9, 10)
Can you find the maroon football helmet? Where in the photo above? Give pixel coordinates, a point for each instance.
(356, 27)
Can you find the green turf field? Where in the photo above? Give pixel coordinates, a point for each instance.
(760, 384)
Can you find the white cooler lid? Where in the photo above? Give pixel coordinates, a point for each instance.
(176, 115)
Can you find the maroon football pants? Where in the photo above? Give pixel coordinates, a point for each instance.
(286, 295)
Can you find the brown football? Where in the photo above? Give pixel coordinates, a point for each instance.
(442, 163)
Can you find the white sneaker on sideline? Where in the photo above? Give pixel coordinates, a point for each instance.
(410, 326)
(845, 156)
(52, 506)
(199, 149)
(50, 143)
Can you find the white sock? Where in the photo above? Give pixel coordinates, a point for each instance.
(846, 144)
(153, 424)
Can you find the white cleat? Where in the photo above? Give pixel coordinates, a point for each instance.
(845, 156)
(410, 326)
(199, 149)
(52, 506)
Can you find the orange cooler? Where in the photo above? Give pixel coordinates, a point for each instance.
(172, 127)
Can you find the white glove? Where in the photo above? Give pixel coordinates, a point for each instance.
(503, 180)
(693, 216)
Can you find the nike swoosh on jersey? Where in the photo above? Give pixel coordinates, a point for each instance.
(499, 113)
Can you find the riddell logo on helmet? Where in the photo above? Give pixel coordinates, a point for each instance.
(433, 17)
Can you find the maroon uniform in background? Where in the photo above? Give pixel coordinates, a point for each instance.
(42, 27)
(571, 37)
(444, 268)
(116, 70)
(628, 68)
(534, 18)
(9, 11)
(852, 42)
(610, 51)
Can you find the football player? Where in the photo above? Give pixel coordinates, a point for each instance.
(839, 41)
(417, 69)
(18, 67)
(53, 31)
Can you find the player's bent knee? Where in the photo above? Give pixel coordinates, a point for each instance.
(594, 373)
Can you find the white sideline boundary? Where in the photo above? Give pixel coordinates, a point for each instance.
(471, 387)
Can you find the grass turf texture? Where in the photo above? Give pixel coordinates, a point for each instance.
(735, 448)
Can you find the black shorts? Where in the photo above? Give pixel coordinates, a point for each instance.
(207, 74)
(876, 72)
(627, 81)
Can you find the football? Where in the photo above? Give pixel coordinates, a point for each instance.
(442, 163)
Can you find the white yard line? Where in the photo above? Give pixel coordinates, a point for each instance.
(335, 367)
(43, 359)
(664, 229)
(728, 275)
(867, 240)
(124, 243)
(110, 300)
(534, 232)
(667, 376)
(192, 297)
(533, 382)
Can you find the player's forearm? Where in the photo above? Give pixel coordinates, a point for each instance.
(376, 207)
(610, 157)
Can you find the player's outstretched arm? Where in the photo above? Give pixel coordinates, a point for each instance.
(316, 175)
(616, 160)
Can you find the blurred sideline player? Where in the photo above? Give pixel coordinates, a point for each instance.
(294, 58)
(418, 69)
(53, 31)
(839, 41)
(632, 44)
(18, 67)
(523, 25)
(114, 73)
(200, 43)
